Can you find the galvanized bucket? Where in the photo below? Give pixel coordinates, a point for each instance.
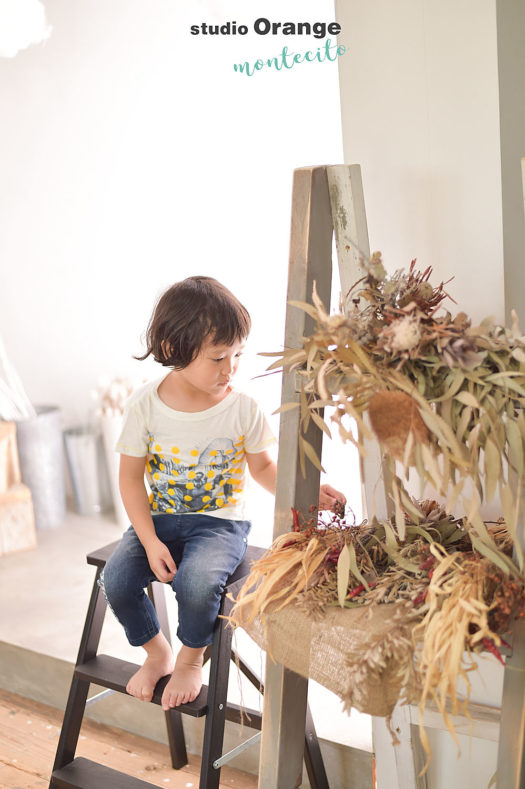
(42, 465)
(87, 467)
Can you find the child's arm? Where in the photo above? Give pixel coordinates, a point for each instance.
(135, 500)
(264, 471)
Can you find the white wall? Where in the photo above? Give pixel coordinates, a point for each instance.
(419, 95)
(133, 155)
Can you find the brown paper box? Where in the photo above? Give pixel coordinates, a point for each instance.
(9, 465)
(17, 520)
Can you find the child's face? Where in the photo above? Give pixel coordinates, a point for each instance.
(214, 368)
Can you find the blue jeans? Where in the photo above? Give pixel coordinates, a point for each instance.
(206, 551)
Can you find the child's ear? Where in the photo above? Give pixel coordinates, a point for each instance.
(166, 350)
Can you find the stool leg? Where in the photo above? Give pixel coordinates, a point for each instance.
(176, 740)
(217, 701)
(79, 688)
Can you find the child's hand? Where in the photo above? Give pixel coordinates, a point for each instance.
(330, 498)
(161, 562)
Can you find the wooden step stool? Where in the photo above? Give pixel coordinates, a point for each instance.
(111, 673)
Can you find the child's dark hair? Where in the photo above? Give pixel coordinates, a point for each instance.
(187, 314)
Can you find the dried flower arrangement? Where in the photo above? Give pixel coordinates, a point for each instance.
(444, 398)
(441, 395)
(111, 395)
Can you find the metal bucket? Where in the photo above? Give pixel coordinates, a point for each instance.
(41, 456)
(87, 467)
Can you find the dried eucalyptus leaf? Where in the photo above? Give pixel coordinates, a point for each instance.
(467, 399)
(302, 305)
(311, 454)
(420, 468)
(275, 365)
(492, 468)
(311, 353)
(505, 380)
(285, 407)
(453, 497)
(352, 557)
(343, 575)
(390, 537)
(455, 534)
(491, 552)
(507, 505)
(519, 355)
(321, 423)
(431, 468)
(456, 382)
(409, 506)
(302, 461)
(476, 522)
(521, 424)
(421, 531)
(515, 442)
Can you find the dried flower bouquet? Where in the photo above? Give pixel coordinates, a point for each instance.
(441, 395)
(444, 399)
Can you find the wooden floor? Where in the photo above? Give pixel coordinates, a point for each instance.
(28, 739)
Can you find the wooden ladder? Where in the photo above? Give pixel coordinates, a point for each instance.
(71, 772)
(327, 199)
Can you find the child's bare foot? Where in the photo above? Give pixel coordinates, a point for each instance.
(186, 680)
(158, 663)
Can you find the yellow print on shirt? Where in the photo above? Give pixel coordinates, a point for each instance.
(208, 482)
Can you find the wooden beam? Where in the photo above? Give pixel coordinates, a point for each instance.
(511, 750)
(310, 261)
(353, 247)
(285, 699)
(349, 218)
(523, 181)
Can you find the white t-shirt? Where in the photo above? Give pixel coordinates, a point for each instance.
(195, 462)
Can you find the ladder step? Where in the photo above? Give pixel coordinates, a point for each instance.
(84, 774)
(111, 672)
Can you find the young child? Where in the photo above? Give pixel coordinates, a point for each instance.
(194, 435)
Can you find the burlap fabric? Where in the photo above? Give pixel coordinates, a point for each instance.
(364, 654)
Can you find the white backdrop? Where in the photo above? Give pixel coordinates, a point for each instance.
(132, 155)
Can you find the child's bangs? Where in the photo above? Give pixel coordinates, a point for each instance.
(229, 324)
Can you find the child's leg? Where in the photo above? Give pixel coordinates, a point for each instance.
(126, 574)
(213, 548)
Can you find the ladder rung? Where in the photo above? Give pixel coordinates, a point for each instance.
(84, 774)
(110, 672)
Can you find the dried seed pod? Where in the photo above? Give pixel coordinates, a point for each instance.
(393, 416)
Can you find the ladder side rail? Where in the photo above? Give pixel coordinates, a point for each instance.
(79, 689)
(285, 700)
(217, 699)
(394, 765)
